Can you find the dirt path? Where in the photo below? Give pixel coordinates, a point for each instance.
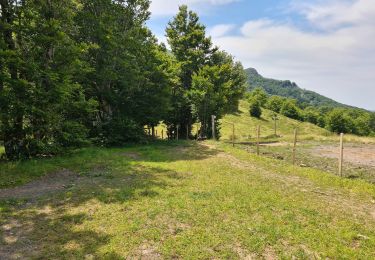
(48, 184)
(356, 155)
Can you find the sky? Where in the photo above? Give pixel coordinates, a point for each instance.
(327, 46)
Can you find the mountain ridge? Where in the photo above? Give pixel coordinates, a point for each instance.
(289, 89)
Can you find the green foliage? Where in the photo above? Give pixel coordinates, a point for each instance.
(192, 51)
(362, 125)
(121, 130)
(339, 122)
(72, 72)
(310, 106)
(259, 95)
(215, 89)
(211, 83)
(255, 109)
(311, 115)
(275, 103)
(129, 74)
(38, 89)
(288, 89)
(290, 109)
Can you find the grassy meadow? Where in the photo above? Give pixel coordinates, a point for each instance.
(245, 128)
(194, 200)
(187, 200)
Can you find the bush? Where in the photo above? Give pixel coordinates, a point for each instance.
(290, 109)
(362, 125)
(275, 103)
(339, 122)
(120, 131)
(259, 95)
(255, 109)
(72, 134)
(311, 116)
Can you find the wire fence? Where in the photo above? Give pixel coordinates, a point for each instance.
(339, 155)
(342, 155)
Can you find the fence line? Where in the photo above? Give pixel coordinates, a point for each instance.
(341, 158)
(294, 153)
(295, 146)
(258, 142)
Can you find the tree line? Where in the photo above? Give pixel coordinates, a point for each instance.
(75, 72)
(337, 120)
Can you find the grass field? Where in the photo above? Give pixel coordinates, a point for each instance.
(316, 147)
(245, 128)
(183, 200)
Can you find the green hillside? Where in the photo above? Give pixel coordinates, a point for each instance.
(286, 88)
(245, 126)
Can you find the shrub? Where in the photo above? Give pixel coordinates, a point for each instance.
(311, 116)
(275, 103)
(255, 109)
(339, 122)
(120, 131)
(259, 95)
(290, 109)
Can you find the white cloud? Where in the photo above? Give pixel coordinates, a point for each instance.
(220, 30)
(338, 60)
(164, 7)
(333, 14)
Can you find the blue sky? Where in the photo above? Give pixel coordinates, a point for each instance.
(327, 46)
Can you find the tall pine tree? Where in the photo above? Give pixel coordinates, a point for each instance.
(192, 50)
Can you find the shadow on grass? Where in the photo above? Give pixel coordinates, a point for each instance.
(176, 151)
(53, 227)
(18, 173)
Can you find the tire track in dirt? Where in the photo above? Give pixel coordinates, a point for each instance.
(45, 185)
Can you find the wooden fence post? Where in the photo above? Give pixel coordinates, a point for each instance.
(275, 118)
(341, 159)
(162, 134)
(295, 146)
(187, 131)
(258, 140)
(233, 135)
(177, 131)
(213, 127)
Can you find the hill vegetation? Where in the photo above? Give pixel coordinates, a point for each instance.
(288, 89)
(337, 120)
(245, 126)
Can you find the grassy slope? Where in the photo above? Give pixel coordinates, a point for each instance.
(191, 201)
(246, 125)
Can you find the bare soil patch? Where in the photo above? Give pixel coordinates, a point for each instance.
(278, 144)
(356, 155)
(46, 185)
(243, 253)
(132, 155)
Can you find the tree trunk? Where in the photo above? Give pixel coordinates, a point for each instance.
(14, 136)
